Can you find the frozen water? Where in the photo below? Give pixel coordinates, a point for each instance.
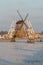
(21, 53)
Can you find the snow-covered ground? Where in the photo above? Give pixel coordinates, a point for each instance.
(21, 53)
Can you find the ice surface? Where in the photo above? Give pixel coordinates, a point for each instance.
(21, 53)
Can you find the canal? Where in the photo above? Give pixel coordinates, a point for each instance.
(21, 53)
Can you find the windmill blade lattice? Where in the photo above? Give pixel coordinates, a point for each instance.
(19, 15)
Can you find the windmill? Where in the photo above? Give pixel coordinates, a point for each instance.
(19, 26)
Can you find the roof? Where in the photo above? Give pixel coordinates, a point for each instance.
(20, 21)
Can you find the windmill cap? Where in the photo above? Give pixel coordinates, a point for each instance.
(20, 21)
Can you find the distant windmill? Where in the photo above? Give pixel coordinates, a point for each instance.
(18, 28)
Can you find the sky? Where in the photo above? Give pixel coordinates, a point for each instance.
(8, 13)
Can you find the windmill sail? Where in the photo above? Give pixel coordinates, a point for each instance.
(30, 28)
(12, 28)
